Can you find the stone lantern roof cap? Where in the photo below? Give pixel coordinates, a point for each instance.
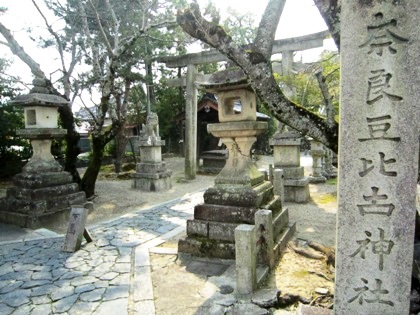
(40, 95)
(40, 99)
(230, 79)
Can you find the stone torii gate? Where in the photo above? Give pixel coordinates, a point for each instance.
(284, 46)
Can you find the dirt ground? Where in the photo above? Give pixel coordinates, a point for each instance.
(294, 274)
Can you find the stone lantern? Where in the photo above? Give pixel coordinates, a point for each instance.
(41, 127)
(240, 189)
(287, 157)
(317, 152)
(42, 192)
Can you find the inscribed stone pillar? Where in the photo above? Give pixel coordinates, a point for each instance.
(378, 163)
(191, 124)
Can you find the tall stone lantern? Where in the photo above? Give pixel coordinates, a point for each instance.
(42, 192)
(240, 189)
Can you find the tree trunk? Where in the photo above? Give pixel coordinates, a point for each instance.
(72, 141)
(121, 142)
(92, 171)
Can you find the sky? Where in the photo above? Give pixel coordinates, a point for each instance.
(300, 17)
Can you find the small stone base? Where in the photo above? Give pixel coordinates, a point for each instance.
(152, 182)
(39, 200)
(317, 179)
(217, 238)
(296, 190)
(152, 176)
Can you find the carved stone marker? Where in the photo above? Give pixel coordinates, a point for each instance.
(76, 229)
(151, 173)
(378, 161)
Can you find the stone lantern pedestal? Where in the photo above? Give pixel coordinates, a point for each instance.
(286, 148)
(240, 189)
(151, 173)
(43, 193)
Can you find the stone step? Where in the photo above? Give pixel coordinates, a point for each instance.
(253, 197)
(275, 205)
(282, 239)
(43, 193)
(204, 247)
(280, 221)
(219, 231)
(47, 179)
(221, 213)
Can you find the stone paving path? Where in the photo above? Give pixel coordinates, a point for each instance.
(111, 275)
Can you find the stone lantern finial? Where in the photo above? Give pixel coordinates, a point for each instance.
(40, 85)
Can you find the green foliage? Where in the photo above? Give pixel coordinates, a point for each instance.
(169, 102)
(263, 145)
(13, 149)
(240, 26)
(305, 88)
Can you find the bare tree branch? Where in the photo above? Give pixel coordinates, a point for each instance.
(267, 29)
(20, 52)
(98, 20)
(95, 58)
(54, 34)
(330, 11)
(257, 68)
(115, 22)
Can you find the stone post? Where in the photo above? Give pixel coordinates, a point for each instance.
(278, 183)
(191, 124)
(264, 225)
(378, 165)
(246, 259)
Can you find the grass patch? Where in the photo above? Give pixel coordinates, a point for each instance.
(325, 198)
(332, 181)
(300, 273)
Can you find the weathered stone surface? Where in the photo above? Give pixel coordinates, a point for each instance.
(378, 165)
(222, 231)
(198, 228)
(249, 309)
(65, 304)
(76, 227)
(241, 197)
(265, 298)
(224, 213)
(246, 259)
(205, 247)
(62, 293)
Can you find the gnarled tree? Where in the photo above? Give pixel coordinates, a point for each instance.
(256, 64)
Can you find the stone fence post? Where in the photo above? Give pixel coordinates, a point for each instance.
(246, 259)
